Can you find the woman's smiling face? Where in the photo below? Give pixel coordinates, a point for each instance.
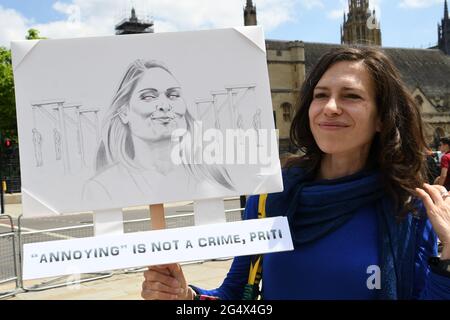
(343, 113)
(156, 106)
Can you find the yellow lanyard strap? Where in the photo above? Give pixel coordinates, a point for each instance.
(256, 265)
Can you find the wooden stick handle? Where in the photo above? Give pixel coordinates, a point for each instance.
(158, 221)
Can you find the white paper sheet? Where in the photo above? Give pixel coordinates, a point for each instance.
(209, 211)
(108, 222)
(89, 142)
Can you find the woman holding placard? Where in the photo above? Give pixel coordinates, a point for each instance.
(363, 222)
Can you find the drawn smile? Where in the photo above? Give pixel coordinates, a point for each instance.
(163, 120)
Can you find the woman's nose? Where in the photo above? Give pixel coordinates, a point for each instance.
(331, 108)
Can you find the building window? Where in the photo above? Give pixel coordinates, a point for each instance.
(438, 134)
(287, 111)
(419, 100)
(279, 53)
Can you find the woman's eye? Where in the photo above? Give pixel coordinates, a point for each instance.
(319, 96)
(353, 97)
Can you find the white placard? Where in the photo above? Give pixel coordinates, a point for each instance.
(96, 117)
(138, 249)
(108, 222)
(209, 211)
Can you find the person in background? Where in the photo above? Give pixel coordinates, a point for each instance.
(444, 178)
(433, 167)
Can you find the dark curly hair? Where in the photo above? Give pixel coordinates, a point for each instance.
(398, 151)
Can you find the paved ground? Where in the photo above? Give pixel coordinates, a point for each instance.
(128, 286)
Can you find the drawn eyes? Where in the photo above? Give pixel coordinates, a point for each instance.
(149, 96)
(173, 95)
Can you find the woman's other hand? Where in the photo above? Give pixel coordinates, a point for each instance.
(437, 202)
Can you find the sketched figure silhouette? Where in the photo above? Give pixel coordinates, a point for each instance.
(37, 142)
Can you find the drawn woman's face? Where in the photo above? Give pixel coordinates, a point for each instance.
(156, 106)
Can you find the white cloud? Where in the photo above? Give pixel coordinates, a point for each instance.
(272, 13)
(419, 3)
(13, 26)
(335, 14)
(164, 26)
(376, 4)
(310, 4)
(72, 11)
(98, 17)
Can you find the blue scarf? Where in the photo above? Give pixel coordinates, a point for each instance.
(316, 208)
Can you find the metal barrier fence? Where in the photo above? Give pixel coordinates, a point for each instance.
(25, 235)
(65, 233)
(9, 280)
(10, 170)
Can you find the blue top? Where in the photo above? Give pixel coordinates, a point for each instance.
(330, 269)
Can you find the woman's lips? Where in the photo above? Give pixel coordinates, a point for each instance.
(332, 126)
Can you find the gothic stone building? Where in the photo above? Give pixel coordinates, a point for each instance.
(425, 71)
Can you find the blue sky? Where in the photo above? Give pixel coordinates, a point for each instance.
(400, 26)
(39, 10)
(404, 23)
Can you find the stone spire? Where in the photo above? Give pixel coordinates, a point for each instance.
(134, 25)
(360, 25)
(446, 10)
(250, 14)
(133, 15)
(444, 31)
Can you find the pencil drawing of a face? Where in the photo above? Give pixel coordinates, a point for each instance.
(156, 107)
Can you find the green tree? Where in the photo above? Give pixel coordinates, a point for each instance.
(7, 100)
(8, 122)
(33, 34)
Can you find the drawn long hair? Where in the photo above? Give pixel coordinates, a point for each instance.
(116, 144)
